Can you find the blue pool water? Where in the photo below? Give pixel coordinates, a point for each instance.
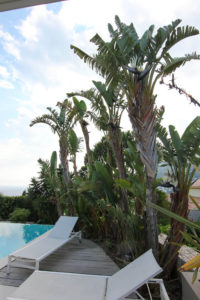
(14, 235)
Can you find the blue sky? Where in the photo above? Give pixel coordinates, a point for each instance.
(37, 68)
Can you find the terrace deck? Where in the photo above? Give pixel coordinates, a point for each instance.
(74, 257)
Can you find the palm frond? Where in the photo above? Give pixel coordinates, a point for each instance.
(173, 63)
(191, 139)
(45, 119)
(53, 112)
(179, 34)
(93, 62)
(162, 34)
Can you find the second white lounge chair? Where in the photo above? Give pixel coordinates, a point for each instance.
(42, 285)
(30, 255)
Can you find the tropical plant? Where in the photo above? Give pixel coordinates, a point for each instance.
(181, 154)
(192, 238)
(60, 123)
(135, 65)
(107, 107)
(19, 215)
(49, 190)
(74, 147)
(135, 181)
(102, 152)
(80, 116)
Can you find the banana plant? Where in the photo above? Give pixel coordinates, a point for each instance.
(107, 107)
(135, 65)
(181, 154)
(135, 182)
(101, 184)
(192, 239)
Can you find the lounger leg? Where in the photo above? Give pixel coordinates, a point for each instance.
(80, 237)
(8, 266)
(37, 263)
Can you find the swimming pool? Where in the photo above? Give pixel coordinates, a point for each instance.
(14, 235)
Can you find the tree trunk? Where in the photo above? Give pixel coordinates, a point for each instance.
(151, 217)
(58, 207)
(179, 206)
(87, 141)
(65, 165)
(65, 168)
(116, 145)
(75, 165)
(142, 116)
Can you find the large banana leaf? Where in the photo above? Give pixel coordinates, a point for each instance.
(80, 106)
(175, 216)
(106, 93)
(73, 142)
(191, 264)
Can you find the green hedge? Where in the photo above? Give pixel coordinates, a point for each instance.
(42, 210)
(9, 203)
(20, 215)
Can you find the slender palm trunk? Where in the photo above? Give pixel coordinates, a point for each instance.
(142, 116)
(58, 207)
(116, 145)
(75, 165)
(87, 141)
(65, 168)
(65, 165)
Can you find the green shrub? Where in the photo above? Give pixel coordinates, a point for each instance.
(164, 228)
(7, 205)
(19, 215)
(163, 202)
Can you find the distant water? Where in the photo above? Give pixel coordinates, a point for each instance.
(12, 190)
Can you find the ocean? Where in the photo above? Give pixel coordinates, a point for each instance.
(12, 190)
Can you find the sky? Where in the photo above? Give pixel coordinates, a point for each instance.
(38, 68)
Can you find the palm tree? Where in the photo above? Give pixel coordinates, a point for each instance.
(60, 123)
(135, 65)
(181, 154)
(74, 147)
(107, 108)
(80, 115)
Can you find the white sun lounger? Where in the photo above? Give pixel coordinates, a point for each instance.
(30, 255)
(42, 285)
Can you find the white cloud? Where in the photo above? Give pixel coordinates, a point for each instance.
(4, 72)
(6, 84)
(11, 230)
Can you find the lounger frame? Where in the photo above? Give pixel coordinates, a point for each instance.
(59, 235)
(23, 262)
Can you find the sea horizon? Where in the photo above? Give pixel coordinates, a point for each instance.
(12, 190)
